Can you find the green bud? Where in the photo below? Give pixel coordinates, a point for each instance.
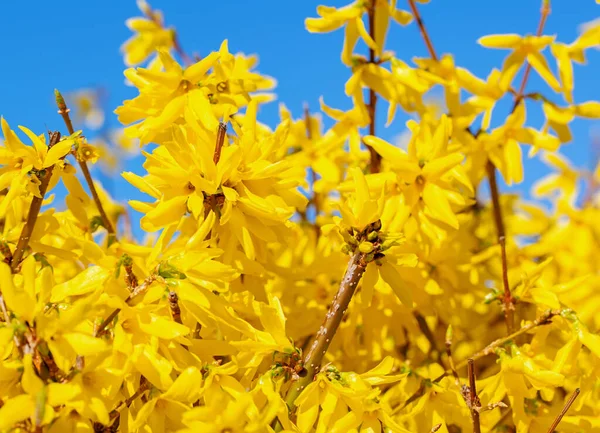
(40, 407)
(347, 249)
(449, 335)
(96, 222)
(60, 101)
(167, 270)
(366, 247)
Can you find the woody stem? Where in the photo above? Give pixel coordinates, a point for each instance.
(333, 318)
(422, 29)
(508, 299)
(221, 132)
(375, 158)
(564, 410)
(545, 11)
(474, 401)
(135, 291)
(544, 319)
(34, 210)
(314, 199)
(63, 110)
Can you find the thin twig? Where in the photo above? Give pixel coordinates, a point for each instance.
(449, 354)
(144, 386)
(316, 352)
(135, 292)
(544, 319)
(424, 328)
(474, 403)
(314, 198)
(63, 110)
(423, 30)
(564, 410)
(174, 307)
(220, 141)
(187, 61)
(375, 158)
(34, 210)
(508, 300)
(544, 13)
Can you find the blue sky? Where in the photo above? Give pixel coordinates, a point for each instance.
(70, 44)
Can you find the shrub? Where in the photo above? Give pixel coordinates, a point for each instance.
(306, 279)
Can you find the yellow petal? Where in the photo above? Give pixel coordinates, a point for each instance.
(166, 213)
(391, 276)
(440, 166)
(364, 34)
(539, 63)
(85, 282)
(322, 25)
(590, 109)
(510, 67)
(437, 203)
(15, 410)
(186, 387)
(507, 41)
(513, 161)
(57, 151)
(153, 366)
(161, 327)
(85, 345)
(397, 157)
(369, 279)
(197, 71)
(350, 39)
(16, 299)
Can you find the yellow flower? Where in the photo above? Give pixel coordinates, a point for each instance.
(502, 143)
(351, 16)
(166, 96)
(246, 197)
(524, 48)
(150, 35)
(427, 172)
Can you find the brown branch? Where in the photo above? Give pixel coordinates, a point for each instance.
(63, 110)
(375, 158)
(220, 141)
(474, 403)
(544, 319)
(174, 307)
(508, 300)
(314, 199)
(316, 352)
(424, 328)
(187, 61)
(135, 292)
(423, 30)
(34, 210)
(449, 354)
(197, 331)
(564, 410)
(4, 309)
(544, 13)
(144, 386)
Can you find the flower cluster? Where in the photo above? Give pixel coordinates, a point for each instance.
(301, 278)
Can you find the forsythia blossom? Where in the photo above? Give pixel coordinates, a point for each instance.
(310, 276)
